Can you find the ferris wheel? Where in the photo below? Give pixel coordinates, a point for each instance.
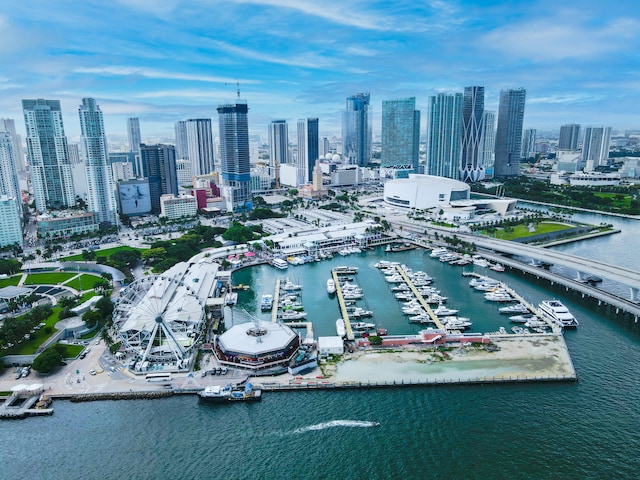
(160, 319)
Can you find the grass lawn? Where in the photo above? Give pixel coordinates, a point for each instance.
(53, 278)
(86, 296)
(72, 350)
(521, 231)
(85, 281)
(107, 252)
(10, 282)
(30, 346)
(618, 200)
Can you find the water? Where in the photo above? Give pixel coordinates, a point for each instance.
(584, 430)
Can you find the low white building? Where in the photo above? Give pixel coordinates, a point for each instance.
(594, 179)
(330, 346)
(423, 192)
(174, 207)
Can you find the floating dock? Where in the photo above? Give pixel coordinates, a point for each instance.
(425, 305)
(343, 306)
(276, 302)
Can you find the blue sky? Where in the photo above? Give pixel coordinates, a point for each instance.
(172, 59)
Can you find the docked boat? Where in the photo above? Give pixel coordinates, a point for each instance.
(456, 323)
(292, 315)
(422, 318)
(498, 296)
(555, 311)
(341, 270)
(516, 308)
(230, 393)
(438, 252)
(362, 326)
(521, 318)
(361, 313)
(289, 286)
(267, 302)
(331, 286)
(341, 329)
(441, 310)
(497, 267)
(280, 263)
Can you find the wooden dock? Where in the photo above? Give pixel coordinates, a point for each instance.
(276, 302)
(425, 305)
(343, 307)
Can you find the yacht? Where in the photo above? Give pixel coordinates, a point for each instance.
(555, 311)
(516, 308)
(362, 326)
(444, 311)
(341, 329)
(498, 296)
(267, 302)
(280, 263)
(331, 286)
(457, 323)
(497, 267)
(289, 286)
(292, 315)
(361, 313)
(438, 252)
(397, 278)
(524, 318)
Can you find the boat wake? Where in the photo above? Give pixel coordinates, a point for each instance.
(336, 423)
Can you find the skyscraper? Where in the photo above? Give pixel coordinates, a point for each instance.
(200, 145)
(471, 167)
(8, 125)
(182, 149)
(47, 154)
(356, 130)
(595, 147)
(487, 143)
(509, 132)
(400, 133)
(8, 173)
(133, 133)
(569, 136)
(308, 147)
(278, 148)
(93, 140)
(159, 166)
(445, 135)
(234, 153)
(528, 143)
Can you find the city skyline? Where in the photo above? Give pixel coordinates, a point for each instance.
(171, 61)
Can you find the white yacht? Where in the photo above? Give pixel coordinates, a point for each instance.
(516, 308)
(331, 286)
(280, 263)
(341, 329)
(555, 311)
(498, 295)
(444, 311)
(438, 252)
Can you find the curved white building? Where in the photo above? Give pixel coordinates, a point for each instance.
(424, 191)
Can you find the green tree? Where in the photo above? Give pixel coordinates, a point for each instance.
(48, 360)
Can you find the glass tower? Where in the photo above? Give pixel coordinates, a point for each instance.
(234, 152)
(471, 168)
(47, 153)
(445, 135)
(308, 148)
(278, 148)
(569, 136)
(400, 133)
(199, 145)
(356, 130)
(159, 166)
(509, 132)
(93, 140)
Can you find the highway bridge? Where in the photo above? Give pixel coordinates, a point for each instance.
(504, 251)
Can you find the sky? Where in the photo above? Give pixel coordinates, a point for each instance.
(169, 60)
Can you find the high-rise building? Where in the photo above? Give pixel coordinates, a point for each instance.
(182, 149)
(199, 145)
(528, 143)
(10, 226)
(356, 130)
(133, 133)
(9, 185)
(308, 148)
(8, 125)
(486, 155)
(47, 154)
(278, 148)
(445, 135)
(159, 167)
(595, 147)
(400, 134)
(234, 153)
(323, 147)
(100, 190)
(509, 132)
(471, 167)
(569, 137)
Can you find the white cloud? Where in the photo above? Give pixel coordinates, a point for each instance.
(152, 73)
(309, 60)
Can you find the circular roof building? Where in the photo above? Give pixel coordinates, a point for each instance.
(424, 191)
(257, 346)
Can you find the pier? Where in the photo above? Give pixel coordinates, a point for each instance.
(343, 306)
(276, 302)
(307, 325)
(425, 305)
(22, 407)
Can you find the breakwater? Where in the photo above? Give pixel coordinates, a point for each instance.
(92, 397)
